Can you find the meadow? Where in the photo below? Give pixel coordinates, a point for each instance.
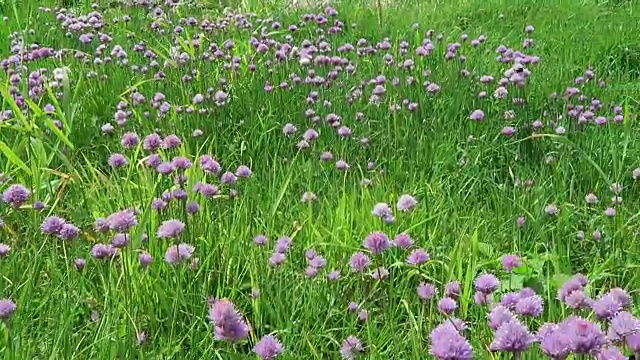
(363, 180)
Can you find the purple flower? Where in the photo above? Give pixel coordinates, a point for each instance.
(551, 210)
(452, 289)
(621, 296)
(606, 307)
(228, 178)
(481, 298)
(448, 344)
(426, 291)
(610, 352)
(403, 241)
(477, 115)
(498, 316)
(145, 259)
(487, 283)
(510, 299)
(122, 221)
(512, 336)
(170, 229)
(4, 250)
(351, 347)
(418, 257)
(68, 232)
(177, 254)
(447, 305)
(623, 325)
(633, 342)
(377, 242)
(104, 251)
(553, 342)
(130, 140)
(530, 306)
(359, 262)
(243, 171)
(268, 348)
(333, 275)
(228, 324)
(52, 225)
(7, 308)
(510, 262)
(80, 263)
(276, 259)
(260, 240)
(118, 160)
(283, 244)
(586, 337)
(352, 307)
(380, 273)
(382, 210)
(407, 203)
(16, 195)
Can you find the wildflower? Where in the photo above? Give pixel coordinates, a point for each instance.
(117, 161)
(276, 259)
(382, 210)
(611, 352)
(79, 263)
(16, 195)
(447, 305)
(177, 254)
(228, 324)
(452, 289)
(68, 232)
(447, 343)
(510, 262)
(7, 308)
(4, 250)
(477, 115)
(586, 337)
(359, 262)
(553, 342)
(260, 240)
(418, 257)
(243, 171)
(377, 242)
(498, 316)
(283, 244)
(145, 259)
(621, 296)
(363, 315)
(606, 307)
(380, 273)
(268, 348)
(530, 306)
(481, 298)
(130, 140)
(487, 283)
(170, 229)
(350, 348)
(406, 203)
(551, 210)
(623, 325)
(104, 251)
(228, 178)
(426, 291)
(403, 241)
(121, 221)
(333, 275)
(512, 336)
(591, 198)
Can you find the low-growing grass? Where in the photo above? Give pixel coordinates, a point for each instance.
(501, 136)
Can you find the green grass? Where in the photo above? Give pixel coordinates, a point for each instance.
(468, 200)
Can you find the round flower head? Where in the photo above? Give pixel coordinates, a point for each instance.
(351, 347)
(407, 203)
(170, 229)
(510, 262)
(7, 308)
(452, 289)
(621, 296)
(145, 259)
(403, 241)
(418, 257)
(530, 306)
(4, 250)
(333, 275)
(227, 322)
(512, 336)
(380, 273)
(606, 307)
(498, 316)
(16, 195)
(447, 305)
(79, 263)
(117, 161)
(377, 242)
(487, 283)
(243, 171)
(447, 343)
(177, 254)
(427, 291)
(586, 337)
(551, 210)
(268, 348)
(121, 221)
(359, 262)
(623, 325)
(104, 251)
(553, 342)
